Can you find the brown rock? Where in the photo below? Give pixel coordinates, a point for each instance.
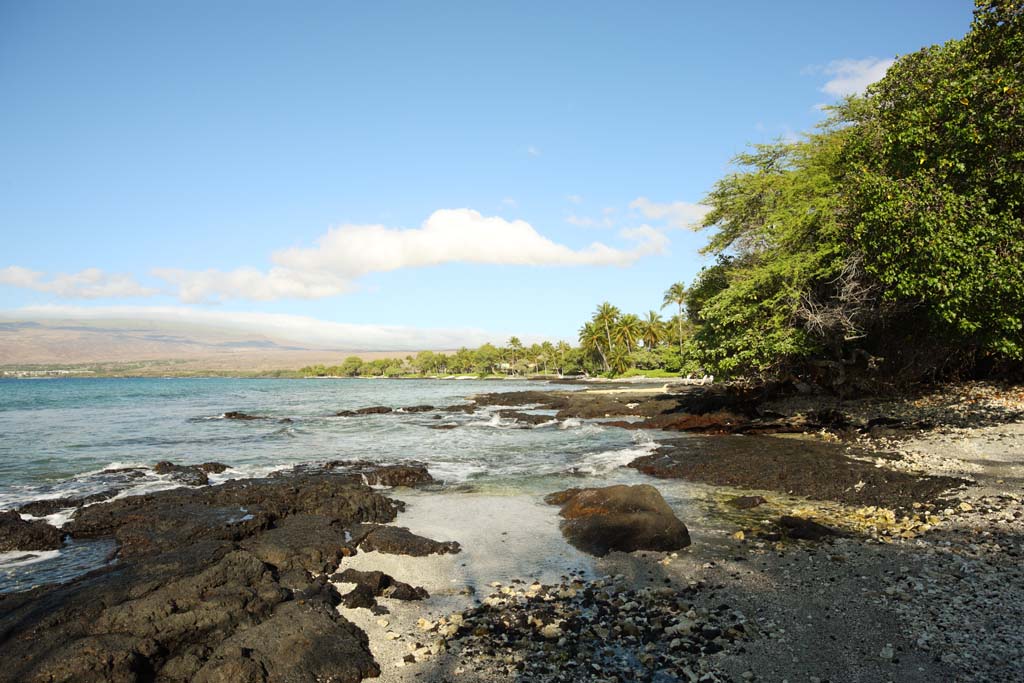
(623, 518)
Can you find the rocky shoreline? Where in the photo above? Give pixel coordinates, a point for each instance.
(869, 540)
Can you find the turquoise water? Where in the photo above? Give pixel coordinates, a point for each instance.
(58, 436)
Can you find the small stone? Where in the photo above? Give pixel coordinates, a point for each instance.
(887, 652)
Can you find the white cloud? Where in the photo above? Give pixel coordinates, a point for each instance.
(676, 214)
(533, 151)
(281, 327)
(91, 283)
(574, 198)
(853, 76)
(253, 284)
(348, 252)
(510, 203)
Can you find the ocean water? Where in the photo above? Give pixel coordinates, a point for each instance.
(58, 436)
(67, 437)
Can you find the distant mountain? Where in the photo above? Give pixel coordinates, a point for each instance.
(194, 347)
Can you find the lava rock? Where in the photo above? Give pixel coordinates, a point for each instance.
(623, 518)
(374, 584)
(19, 534)
(418, 409)
(375, 474)
(394, 540)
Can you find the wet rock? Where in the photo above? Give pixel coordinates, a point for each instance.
(19, 534)
(375, 474)
(190, 475)
(49, 506)
(395, 540)
(418, 409)
(467, 408)
(236, 509)
(802, 467)
(444, 426)
(372, 410)
(623, 518)
(211, 584)
(525, 418)
(746, 502)
(805, 529)
(237, 415)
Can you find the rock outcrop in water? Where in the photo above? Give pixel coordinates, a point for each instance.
(190, 475)
(211, 584)
(19, 534)
(409, 474)
(624, 518)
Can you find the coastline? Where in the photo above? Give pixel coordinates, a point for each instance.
(924, 590)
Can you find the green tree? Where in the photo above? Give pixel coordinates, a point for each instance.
(937, 154)
(605, 317)
(591, 340)
(676, 294)
(628, 329)
(652, 330)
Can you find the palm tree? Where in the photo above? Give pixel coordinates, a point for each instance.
(514, 346)
(561, 349)
(676, 294)
(547, 354)
(653, 330)
(591, 340)
(618, 360)
(605, 317)
(628, 331)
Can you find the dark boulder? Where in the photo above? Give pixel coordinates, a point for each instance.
(623, 518)
(190, 475)
(236, 415)
(374, 584)
(19, 534)
(394, 540)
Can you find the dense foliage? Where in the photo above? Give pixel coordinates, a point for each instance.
(892, 236)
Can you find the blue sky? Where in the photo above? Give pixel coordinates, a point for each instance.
(213, 159)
